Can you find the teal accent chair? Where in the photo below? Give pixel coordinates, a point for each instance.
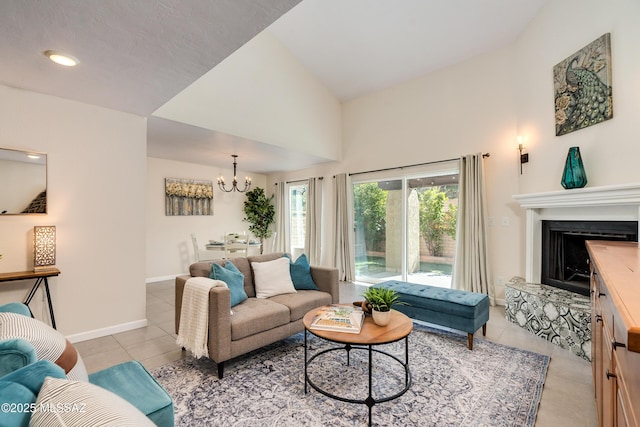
(129, 380)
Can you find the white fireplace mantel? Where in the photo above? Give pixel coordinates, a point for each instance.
(606, 203)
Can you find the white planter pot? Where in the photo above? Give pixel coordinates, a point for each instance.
(381, 318)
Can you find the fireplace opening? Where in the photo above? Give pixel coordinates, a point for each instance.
(565, 261)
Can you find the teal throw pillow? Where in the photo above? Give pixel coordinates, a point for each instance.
(301, 274)
(234, 279)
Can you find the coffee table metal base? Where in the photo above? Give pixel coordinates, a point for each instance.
(370, 400)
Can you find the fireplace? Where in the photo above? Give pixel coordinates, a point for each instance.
(607, 203)
(564, 255)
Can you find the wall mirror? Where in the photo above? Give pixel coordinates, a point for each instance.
(23, 182)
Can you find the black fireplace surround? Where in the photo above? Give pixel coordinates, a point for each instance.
(565, 261)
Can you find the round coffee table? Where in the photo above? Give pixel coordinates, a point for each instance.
(399, 327)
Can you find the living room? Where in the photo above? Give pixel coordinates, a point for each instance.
(106, 193)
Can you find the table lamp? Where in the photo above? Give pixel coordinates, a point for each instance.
(44, 247)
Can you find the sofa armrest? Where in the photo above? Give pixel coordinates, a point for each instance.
(219, 343)
(326, 278)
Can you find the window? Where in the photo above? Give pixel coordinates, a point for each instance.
(405, 228)
(297, 218)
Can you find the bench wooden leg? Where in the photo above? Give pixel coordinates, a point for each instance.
(220, 369)
(484, 330)
(470, 339)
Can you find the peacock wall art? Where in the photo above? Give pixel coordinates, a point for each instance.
(582, 86)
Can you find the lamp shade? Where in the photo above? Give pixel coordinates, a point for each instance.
(44, 247)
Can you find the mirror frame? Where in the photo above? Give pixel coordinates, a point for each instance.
(21, 156)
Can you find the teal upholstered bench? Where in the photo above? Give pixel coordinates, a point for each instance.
(461, 310)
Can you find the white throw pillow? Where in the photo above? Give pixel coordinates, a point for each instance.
(272, 278)
(77, 403)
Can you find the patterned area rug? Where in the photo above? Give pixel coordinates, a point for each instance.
(493, 385)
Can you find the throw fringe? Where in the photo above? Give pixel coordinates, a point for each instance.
(193, 333)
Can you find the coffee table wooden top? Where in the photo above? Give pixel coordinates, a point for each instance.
(371, 334)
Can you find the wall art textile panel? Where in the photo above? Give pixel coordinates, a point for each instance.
(188, 197)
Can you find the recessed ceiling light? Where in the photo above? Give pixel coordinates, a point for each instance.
(62, 58)
(33, 156)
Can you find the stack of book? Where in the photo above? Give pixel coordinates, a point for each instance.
(338, 318)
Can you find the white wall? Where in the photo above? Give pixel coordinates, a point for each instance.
(483, 105)
(169, 248)
(262, 92)
(96, 200)
(610, 149)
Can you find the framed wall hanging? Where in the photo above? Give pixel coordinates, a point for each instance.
(582, 86)
(188, 197)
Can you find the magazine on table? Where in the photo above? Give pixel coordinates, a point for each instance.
(339, 318)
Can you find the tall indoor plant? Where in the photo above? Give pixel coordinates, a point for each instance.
(260, 212)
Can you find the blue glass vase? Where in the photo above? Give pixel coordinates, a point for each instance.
(574, 175)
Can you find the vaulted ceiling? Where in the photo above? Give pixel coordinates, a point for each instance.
(136, 55)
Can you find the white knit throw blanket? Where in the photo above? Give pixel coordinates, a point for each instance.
(193, 333)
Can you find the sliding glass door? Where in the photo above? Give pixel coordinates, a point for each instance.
(405, 228)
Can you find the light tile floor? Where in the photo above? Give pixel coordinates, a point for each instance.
(567, 397)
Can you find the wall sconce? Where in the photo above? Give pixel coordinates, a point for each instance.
(44, 247)
(524, 157)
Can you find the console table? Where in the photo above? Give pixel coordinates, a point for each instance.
(40, 277)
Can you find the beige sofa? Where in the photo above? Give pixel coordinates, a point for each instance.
(255, 322)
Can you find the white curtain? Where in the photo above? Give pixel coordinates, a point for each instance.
(344, 258)
(471, 271)
(313, 229)
(279, 240)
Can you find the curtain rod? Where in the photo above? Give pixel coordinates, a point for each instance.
(414, 165)
(300, 180)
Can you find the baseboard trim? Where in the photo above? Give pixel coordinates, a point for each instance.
(163, 278)
(103, 332)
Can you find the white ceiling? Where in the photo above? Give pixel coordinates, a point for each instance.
(136, 55)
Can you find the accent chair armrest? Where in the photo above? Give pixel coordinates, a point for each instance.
(15, 353)
(16, 307)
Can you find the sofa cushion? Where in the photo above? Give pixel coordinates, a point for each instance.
(200, 269)
(302, 301)
(230, 275)
(301, 274)
(257, 315)
(272, 278)
(84, 404)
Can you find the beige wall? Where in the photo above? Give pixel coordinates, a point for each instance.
(96, 200)
(262, 92)
(483, 104)
(169, 248)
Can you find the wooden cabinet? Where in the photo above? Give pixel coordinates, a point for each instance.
(615, 331)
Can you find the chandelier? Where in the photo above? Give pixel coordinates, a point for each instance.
(234, 183)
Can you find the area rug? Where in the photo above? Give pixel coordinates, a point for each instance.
(493, 385)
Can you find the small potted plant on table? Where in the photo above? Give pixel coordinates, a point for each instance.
(381, 300)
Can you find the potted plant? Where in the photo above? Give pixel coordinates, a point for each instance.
(381, 300)
(260, 212)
